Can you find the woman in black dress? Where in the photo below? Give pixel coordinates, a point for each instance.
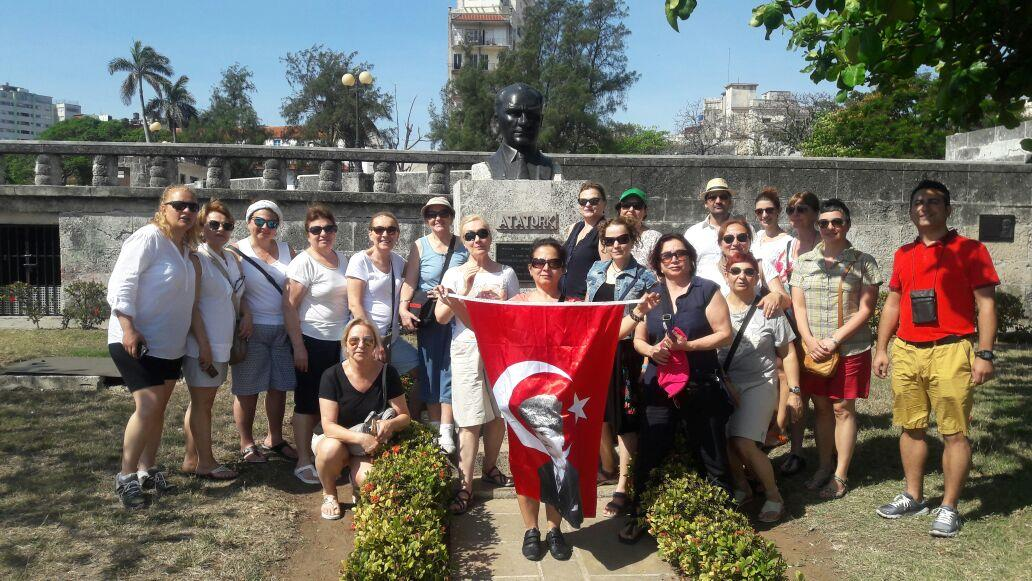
(581, 245)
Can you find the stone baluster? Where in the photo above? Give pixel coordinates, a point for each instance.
(330, 176)
(105, 170)
(48, 170)
(272, 175)
(139, 174)
(160, 169)
(385, 177)
(438, 179)
(2, 178)
(218, 175)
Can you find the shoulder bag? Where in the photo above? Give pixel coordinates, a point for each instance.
(828, 367)
(368, 426)
(255, 264)
(421, 305)
(238, 352)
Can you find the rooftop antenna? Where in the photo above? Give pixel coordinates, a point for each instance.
(729, 65)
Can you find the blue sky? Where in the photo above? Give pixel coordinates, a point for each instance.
(61, 49)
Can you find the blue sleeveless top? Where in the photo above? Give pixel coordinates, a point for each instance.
(691, 318)
(431, 263)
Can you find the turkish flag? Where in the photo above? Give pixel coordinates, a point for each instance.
(549, 365)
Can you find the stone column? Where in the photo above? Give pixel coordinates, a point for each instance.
(437, 179)
(48, 170)
(218, 173)
(2, 178)
(139, 173)
(329, 176)
(385, 177)
(105, 170)
(160, 169)
(272, 175)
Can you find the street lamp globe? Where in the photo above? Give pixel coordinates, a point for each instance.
(155, 126)
(366, 78)
(348, 80)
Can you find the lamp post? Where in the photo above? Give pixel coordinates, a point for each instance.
(350, 80)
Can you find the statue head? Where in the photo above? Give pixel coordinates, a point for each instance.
(518, 116)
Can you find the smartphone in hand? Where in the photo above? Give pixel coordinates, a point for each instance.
(211, 371)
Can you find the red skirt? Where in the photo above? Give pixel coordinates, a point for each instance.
(852, 379)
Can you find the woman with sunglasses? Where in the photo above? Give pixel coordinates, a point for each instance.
(620, 278)
(220, 290)
(692, 322)
(753, 370)
(151, 292)
(269, 365)
(374, 290)
(581, 245)
(473, 405)
(428, 258)
(772, 244)
(315, 311)
(634, 204)
(834, 291)
(735, 237)
(348, 392)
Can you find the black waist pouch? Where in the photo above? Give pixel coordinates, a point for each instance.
(923, 306)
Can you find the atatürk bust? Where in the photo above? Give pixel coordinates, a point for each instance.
(517, 118)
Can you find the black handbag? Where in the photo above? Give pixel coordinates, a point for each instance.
(421, 305)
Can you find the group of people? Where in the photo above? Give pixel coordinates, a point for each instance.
(734, 331)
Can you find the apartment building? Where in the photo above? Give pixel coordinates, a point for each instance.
(24, 114)
(480, 30)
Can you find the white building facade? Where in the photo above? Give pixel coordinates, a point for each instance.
(24, 114)
(65, 110)
(480, 30)
(742, 117)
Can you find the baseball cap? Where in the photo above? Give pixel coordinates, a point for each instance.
(634, 192)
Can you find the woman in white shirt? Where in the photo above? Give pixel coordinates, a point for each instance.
(374, 288)
(315, 311)
(219, 300)
(269, 365)
(151, 293)
(473, 405)
(772, 246)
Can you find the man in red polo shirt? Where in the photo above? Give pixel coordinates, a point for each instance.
(937, 282)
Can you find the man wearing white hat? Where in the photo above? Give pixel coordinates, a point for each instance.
(719, 200)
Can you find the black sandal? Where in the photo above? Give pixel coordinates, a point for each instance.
(615, 508)
(631, 532)
(461, 502)
(495, 477)
(278, 450)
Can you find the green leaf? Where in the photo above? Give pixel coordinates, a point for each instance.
(823, 5)
(674, 4)
(851, 45)
(686, 9)
(1026, 144)
(671, 17)
(854, 75)
(901, 10)
(870, 46)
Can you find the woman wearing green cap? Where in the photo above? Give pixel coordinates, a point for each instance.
(634, 204)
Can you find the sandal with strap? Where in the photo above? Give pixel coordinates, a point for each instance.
(495, 477)
(253, 455)
(605, 478)
(831, 491)
(771, 512)
(616, 506)
(632, 532)
(461, 502)
(283, 450)
(330, 508)
(221, 472)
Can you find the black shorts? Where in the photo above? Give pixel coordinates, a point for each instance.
(322, 355)
(146, 371)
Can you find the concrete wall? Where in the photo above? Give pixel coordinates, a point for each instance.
(992, 144)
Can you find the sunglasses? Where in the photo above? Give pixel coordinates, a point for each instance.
(764, 211)
(263, 223)
(800, 208)
(366, 341)
(589, 201)
(215, 226)
(723, 197)
(472, 235)
(836, 222)
(631, 206)
(431, 214)
(540, 263)
(379, 230)
(730, 238)
(735, 271)
(668, 257)
(317, 230)
(179, 206)
(621, 239)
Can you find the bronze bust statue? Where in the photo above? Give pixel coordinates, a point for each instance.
(517, 117)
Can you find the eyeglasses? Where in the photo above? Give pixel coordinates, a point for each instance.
(635, 205)
(431, 214)
(472, 235)
(215, 226)
(540, 263)
(365, 341)
(730, 238)
(668, 257)
(621, 239)
(379, 230)
(735, 271)
(317, 230)
(763, 211)
(836, 222)
(722, 196)
(179, 206)
(263, 223)
(802, 209)
(589, 201)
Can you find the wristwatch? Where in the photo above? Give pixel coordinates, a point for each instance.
(985, 354)
(795, 389)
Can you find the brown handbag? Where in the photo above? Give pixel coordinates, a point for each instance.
(828, 367)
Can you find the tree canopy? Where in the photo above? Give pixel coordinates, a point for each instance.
(230, 116)
(143, 65)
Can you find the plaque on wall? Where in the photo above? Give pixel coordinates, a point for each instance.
(524, 222)
(996, 228)
(515, 255)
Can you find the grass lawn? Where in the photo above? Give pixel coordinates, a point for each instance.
(18, 345)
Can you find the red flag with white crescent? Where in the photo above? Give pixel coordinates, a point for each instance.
(549, 366)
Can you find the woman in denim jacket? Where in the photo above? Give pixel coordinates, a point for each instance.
(620, 278)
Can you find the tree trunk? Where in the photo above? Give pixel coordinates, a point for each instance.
(143, 112)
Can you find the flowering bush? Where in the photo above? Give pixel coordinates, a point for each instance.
(28, 300)
(400, 523)
(85, 302)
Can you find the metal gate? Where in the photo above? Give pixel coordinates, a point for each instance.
(31, 253)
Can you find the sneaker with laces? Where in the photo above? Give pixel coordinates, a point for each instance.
(154, 479)
(947, 522)
(129, 492)
(901, 506)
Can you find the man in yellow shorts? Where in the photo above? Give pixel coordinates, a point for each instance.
(937, 282)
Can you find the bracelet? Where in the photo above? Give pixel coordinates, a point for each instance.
(636, 318)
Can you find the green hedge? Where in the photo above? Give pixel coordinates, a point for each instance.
(401, 520)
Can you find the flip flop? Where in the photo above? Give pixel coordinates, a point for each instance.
(253, 455)
(330, 508)
(221, 472)
(281, 450)
(307, 474)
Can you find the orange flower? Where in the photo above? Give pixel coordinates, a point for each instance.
(396, 448)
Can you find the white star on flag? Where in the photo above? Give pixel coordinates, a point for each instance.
(578, 407)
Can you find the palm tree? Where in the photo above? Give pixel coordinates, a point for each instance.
(174, 104)
(144, 64)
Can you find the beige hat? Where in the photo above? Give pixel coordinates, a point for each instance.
(717, 185)
(438, 201)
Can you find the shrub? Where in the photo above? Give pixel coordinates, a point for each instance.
(401, 520)
(85, 302)
(28, 300)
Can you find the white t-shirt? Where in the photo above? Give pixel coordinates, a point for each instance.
(153, 282)
(772, 252)
(216, 303)
(703, 238)
(378, 295)
(755, 360)
(324, 308)
(643, 247)
(265, 301)
(502, 283)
